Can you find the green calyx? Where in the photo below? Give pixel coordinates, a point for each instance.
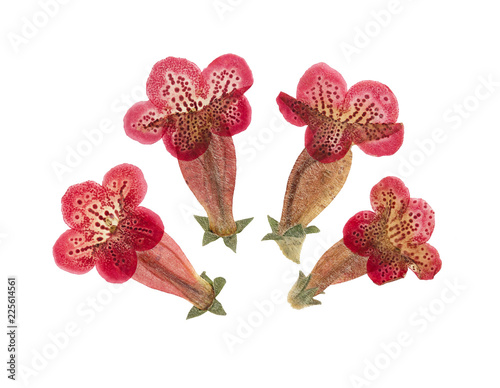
(216, 307)
(291, 241)
(230, 241)
(300, 296)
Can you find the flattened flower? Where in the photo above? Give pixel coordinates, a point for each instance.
(188, 106)
(107, 225)
(336, 118)
(394, 236)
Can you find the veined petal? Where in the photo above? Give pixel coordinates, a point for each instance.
(323, 89)
(226, 74)
(74, 251)
(387, 266)
(144, 122)
(176, 85)
(128, 182)
(142, 229)
(294, 111)
(424, 260)
(390, 193)
(88, 206)
(190, 136)
(379, 138)
(415, 226)
(370, 102)
(360, 233)
(116, 260)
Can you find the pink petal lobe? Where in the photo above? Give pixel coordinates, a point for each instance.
(370, 102)
(142, 229)
(85, 206)
(74, 251)
(190, 135)
(116, 260)
(128, 182)
(144, 122)
(176, 85)
(417, 222)
(327, 141)
(323, 89)
(424, 260)
(359, 233)
(385, 267)
(292, 110)
(226, 74)
(391, 193)
(231, 115)
(386, 145)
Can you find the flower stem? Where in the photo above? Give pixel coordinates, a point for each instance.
(337, 265)
(211, 177)
(166, 268)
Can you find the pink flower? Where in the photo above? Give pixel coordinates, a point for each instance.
(187, 106)
(394, 236)
(336, 117)
(107, 225)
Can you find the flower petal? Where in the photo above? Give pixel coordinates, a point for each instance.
(384, 146)
(74, 251)
(294, 111)
(128, 182)
(116, 260)
(390, 193)
(328, 141)
(360, 232)
(226, 74)
(425, 260)
(144, 122)
(370, 102)
(231, 115)
(190, 136)
(387, 266)
(142, 229)
(86, 206)
(176, 85)
(323, 89)
(416, 224)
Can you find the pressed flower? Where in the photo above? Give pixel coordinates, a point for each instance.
(196, 113)
(382, 243)
(336, 118)
(109, 230)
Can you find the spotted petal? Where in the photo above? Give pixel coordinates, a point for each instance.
(327, 141)
(231, 115)
(391, 193)
(377, 139)
(86, 206)
(74, 251)
(387, 266)
(128, 182)
(323, 89)
(144, 122)
(424, 260)
(116, 260)
(142, 229)
(190, 136)
(417, 223)
(360, 232)
(226, 74)
(176, 85)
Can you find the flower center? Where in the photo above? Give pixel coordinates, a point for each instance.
(112, 223)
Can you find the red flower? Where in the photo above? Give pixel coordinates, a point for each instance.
(336, 117)
(187, 106)
(107, 225)
(394, 236)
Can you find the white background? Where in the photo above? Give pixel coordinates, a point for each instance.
(87, 62)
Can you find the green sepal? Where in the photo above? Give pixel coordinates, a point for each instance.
(272, 236)
(242, 224)
(274, 224)
(311, 229)
(231, 242)
(195, 312)
(218, 285)
(216, 307)
(299, 296)
(295, 231)
(209, 237)
(203, 221)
